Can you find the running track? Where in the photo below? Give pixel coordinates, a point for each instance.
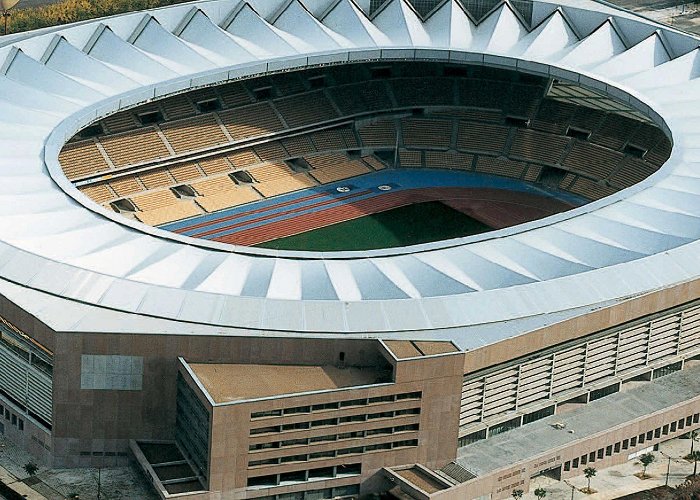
(494, 201)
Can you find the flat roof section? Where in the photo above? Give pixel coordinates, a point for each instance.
(236, 382)
(421, 479)
(403, 349)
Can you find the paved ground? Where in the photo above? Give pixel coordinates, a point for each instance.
(56, 484)
(618, 481)
(682, 15)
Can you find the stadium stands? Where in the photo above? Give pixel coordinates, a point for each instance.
(82, 158)
(504, 128)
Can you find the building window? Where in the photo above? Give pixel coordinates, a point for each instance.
(353, 402)
(325, 422)
(257, 463)
(351, 435)
(378, 447)
(322, 454)
(265, 430)
(384, 414)
(263, 446)
(584, 459)
(324, 406)
(617, 447)
(352, 418)
(601, 453)
(14, 419)
(268, 413)
(625, 444)
(297, 426)
(567, 466)
(293, 458)
(409, 395)
(270, 480)
(297, 409)
(381, 399)
(633, 442)
(591, 457)
(20, 424)
(575, 463)
(294, 442)
(409, 411)
(608, 450)
(320, 439)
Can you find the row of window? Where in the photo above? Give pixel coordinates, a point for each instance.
(300, 476)
(335, 405)
(333, 453)
(334, 437)
(352, 490)
(326, 422)
(12, 418)
(632, 442)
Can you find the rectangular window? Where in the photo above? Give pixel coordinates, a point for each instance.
(293, 477)
(673, 426)
(324, 472)
(584, 459)
(625, 444)
(353, 402)
(349, 469)
(384, 414)
(378, 447)
(665, 430)
(263, 446)
(352, 418)
(321, 439)
(406, 428)
(633, 442)
(21, 424)
(696, 418)
(567, 466)
(608, 450)
(640, 438)
(350, 451)
(264, 430)
(351, 435)
(322, 454)
(617, 447)
(381, 399)
(270, 480)
(377, 432)
(295, 442)
(689, 421)
(601, 453)
(297, 426)
(208, 105)
(409, 395)
(324, 406)
(650, 435)
(408, 411)
(325, 422)
(293, 458)
(150, 117)
(575, 463)
(681, 423)
(404, 444)
(297, 409)
(258, 463)
(657, 432)
(267, 413)
(14, 419)
(591, 457)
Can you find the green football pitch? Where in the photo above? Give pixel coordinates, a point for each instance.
(408, 225)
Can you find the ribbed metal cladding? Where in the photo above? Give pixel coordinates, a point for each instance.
(25, 384)
(605, 357)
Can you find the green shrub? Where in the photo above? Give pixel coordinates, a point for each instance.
(70, 11)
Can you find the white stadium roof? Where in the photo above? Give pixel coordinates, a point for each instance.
(79, 267)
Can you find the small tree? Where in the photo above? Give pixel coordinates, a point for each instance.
(540, 493)
(694, 456)
(589, 472)
(517, 494)
(646, 459)
(30, 468)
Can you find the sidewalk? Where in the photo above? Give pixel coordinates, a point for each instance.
(618, 481)
(57, 484)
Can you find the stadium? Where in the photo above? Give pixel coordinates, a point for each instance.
(336, 248)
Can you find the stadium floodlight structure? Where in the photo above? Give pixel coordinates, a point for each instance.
(77, 267)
